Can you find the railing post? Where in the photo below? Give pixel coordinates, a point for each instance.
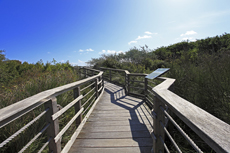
(159, 133)
(170, 125)
(102, 83)
(53, 128)
(77, 106)
(146, 89)
(85, 72)
(128, 84)
(96, 87)
(110, 77)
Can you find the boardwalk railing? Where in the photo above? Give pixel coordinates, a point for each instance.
(82, 103)
(168, 107)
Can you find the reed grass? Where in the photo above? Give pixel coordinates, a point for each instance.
(29, 88)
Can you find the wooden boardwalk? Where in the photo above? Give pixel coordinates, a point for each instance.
(118, 124)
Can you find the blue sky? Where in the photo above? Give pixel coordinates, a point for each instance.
(78, 30)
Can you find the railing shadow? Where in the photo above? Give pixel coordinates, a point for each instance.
(138, 113)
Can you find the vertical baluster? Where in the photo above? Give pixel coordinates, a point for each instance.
(53, 129)
(128, 84)
(170, 124)
(110, 77)
(158, 129)
(77, 106)
(85, 72)
(102, 78)
(146, 89)
(96, 87)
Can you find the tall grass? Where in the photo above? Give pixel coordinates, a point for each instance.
(207, 84)
(26, 89)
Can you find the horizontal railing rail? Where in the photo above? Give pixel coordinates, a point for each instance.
(127, 80)
(92, 93)
(169, 111)
(87, 72)
(166, 106)
(210, 129)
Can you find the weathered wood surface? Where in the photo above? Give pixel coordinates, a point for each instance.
(118, 123)
(14, 111)
(212, 130)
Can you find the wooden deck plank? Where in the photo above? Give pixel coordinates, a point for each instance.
(114, 135)
(117, 128)
(120, 114)
(119, 123)
(122, 122)
(115, 150)
(88, 143)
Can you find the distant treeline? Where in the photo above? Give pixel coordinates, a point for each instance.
(13, 72)
(21, 80)
(201, 68)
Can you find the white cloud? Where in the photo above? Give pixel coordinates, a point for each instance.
(143, 37)
(89, 50)
(62, 61)
(132, 42)
(79, 61)
(189, 33)
(147, 32)
(120, 51)
(48, 52)
(110, 52)
(102, 52)
(150, 33)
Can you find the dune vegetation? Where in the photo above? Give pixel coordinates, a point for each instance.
(201, 68)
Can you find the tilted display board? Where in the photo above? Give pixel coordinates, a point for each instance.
(157, 73)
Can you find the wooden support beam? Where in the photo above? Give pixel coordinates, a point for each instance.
(53, 129)
(110, 76)
(128, 84)
(146, 89)
(158, 146)
(77, 106)
(96, 87)
(85, 72)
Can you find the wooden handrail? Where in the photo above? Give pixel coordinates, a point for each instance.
(105, 68)
(212, 130)
(19, 108)
(127, 76)
(48, 97)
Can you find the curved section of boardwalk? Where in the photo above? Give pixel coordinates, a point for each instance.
(118, 123)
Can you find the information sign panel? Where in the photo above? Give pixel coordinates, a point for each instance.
(157, 73)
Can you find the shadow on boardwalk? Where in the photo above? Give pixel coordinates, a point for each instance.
(139, 114)
(119, 123)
